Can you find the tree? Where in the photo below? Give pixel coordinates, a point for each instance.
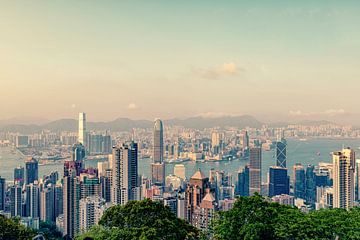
(12, 229)
(49, 231)
(256, 218)
(142, 220)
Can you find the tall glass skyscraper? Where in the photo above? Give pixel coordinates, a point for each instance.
(242, 188)
(281, 153)
(82, 129)
(299, 181)
(31, 170)
(158, 166)
(278, 181)
(310, 185)
(255, 170)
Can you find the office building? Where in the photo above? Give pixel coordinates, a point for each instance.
(78, 156)
(278, 181)
(344, 182)
(310, 185)
(32, 170)
(82, 129)
(195, 192)
(255, 170)
(242, 186)
(19, 175)
(158, 166)
(299, 181)
(281, 152)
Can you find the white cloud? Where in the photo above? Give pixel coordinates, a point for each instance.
(224, 70)
(329, 112)
(132, 106)
(215, 114)
(333, 112)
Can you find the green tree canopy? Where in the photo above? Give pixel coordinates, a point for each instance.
(142, 220)
(256, 218)
(12, 229)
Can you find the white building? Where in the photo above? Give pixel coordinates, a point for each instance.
(344, 178)
(91, 210)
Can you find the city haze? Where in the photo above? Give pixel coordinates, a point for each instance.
(277, 61)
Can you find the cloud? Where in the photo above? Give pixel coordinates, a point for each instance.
(224, 70)
(132, 106)
(329, 112)
(215, 114)
(333, 112)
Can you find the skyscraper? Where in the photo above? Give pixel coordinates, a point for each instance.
(195, 192)
(255, 170)
(71, 195)
(281, 152)
(82, 129)
(357, 180)
(91, 210)
(125, 174)
(2, 193)
(32, 171)
(33, 200)
(245, 140)
(78, 155)
(158, 166)
(299, 181)
(278, 181)
(344, 182)
(242, 188)
(15, 201)
(47, 203)
(19, 175)
(310, 184)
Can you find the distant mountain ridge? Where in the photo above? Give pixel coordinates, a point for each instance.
(125, 124)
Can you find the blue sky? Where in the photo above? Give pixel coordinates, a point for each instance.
(146, 59)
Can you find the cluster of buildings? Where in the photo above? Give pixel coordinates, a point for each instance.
(77, 199)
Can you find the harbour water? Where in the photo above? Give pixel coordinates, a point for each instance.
(311, 151)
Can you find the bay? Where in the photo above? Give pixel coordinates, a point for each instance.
(311, 151)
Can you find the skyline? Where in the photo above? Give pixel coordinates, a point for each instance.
(275, 61)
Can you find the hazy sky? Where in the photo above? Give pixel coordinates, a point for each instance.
(146, 59)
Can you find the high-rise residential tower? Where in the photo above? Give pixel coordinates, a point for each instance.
(255, 170)
(125, 185)
(344, 182)
(158, 166)
(71, 196)
(82, 129)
